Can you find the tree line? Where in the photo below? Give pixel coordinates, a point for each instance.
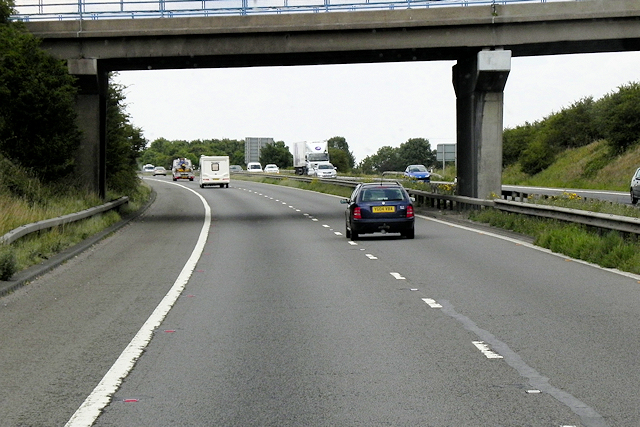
(38, 129)
(415, 151)
(614, 118)
(161, 152)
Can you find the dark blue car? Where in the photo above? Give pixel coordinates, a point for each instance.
(384, 207)
(418, 172)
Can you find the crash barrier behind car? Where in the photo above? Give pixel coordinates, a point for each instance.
(23, 230)
(448, 202)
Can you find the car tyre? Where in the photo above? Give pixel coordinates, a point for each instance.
(410, 234)
(634, 200)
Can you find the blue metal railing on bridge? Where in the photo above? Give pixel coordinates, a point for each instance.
(32, 10)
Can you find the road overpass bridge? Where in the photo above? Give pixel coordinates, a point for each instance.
(482, 39)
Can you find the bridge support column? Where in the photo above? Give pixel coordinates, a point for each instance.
(479, 84)
(91, 107)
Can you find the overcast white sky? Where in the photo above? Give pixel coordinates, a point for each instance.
(371, 105)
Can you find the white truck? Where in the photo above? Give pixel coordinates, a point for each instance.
(308, 155)
(214, 170)
(182, 169)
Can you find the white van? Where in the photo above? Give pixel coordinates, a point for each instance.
(254, 167)
(214, 170)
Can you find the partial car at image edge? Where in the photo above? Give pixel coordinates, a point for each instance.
(634, 189)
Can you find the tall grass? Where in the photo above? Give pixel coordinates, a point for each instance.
(24, 200)
(610, 250)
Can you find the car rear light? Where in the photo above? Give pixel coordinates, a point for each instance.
(409, 211)
(356, 213)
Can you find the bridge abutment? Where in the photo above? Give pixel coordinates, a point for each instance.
(91, 105)
(479, 83)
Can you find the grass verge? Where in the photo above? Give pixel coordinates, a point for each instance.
(40, 246)
(609, 250)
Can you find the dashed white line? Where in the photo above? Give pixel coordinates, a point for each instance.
(431, 303)
(398, 276)
(370, 256)
(484, 349)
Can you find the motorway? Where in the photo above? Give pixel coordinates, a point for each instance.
(269, 316)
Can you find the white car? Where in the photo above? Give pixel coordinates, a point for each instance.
(254, 167)
(325, 171)
(271, 168)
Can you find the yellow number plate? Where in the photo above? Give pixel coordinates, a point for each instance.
(382, 209)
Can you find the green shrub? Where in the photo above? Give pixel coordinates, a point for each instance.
(8, 265)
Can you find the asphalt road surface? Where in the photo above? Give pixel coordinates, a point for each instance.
(269, 316)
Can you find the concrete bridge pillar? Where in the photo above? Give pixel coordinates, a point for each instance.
(479, 84)
(91, 107)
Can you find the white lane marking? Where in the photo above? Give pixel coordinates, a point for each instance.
(93, 405)
(484, 349)
(398, 276)
(337, 233)
(431, 303)
(352, 243)
(314, 219)
(371, 256)
(325, 225)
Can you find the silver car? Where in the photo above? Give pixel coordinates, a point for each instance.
(325, 171)
(635, 187)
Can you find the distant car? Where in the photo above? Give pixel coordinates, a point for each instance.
(418, 172)
(635, 187)
(326, 170)
(235, 168)
(159, 170)
(271, 168)
(254, 167)
(379, 207)
(148, 168)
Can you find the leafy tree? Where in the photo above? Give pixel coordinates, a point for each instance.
(415, 151)
(37, 104)
(538, 155)
(340, 159)
(515, 141)
(620, 117)
(124, 143)
(346, 161)
(385, 159)
(572, 127)
(6, 10)
(277, 153)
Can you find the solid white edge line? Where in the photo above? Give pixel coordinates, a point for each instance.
(93, 405)
(532, 246)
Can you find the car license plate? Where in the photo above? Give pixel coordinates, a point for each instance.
(383, 209)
